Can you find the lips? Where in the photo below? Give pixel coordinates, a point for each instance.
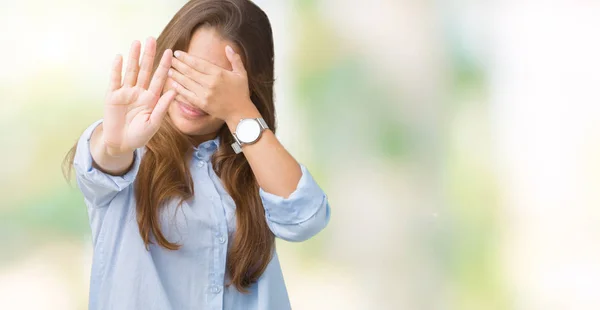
(189, 110)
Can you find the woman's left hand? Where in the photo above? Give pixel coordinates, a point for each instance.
(219, 92)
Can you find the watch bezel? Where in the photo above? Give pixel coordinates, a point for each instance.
(242, 125)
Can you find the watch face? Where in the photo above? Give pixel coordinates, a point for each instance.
(248, 130)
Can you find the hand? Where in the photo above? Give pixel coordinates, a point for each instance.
(134, 107)
(219, 92)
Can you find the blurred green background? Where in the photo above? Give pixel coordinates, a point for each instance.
(457, 142)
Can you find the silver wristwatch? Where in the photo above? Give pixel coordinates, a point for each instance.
(248, 131)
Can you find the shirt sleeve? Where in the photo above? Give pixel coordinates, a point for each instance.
(300, 216)
(99, 188)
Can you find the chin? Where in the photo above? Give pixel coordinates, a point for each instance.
(203, 125)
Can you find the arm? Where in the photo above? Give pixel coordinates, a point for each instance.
(296, 208)
(276, 171)
(108, 153)
(102, 159)
(98, 187)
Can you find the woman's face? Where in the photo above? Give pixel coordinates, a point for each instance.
(208, 45)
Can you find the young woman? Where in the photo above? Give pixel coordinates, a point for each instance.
(185, 182)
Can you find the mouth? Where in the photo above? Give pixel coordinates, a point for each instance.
(189, 111)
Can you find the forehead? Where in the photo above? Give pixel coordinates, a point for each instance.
(207, 43)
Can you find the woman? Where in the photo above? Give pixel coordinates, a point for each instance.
(185, 182)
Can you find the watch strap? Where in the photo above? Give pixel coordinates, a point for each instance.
(237, 145)
(262, 123)
(237, 148)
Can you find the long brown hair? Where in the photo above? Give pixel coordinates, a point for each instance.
(164, 173)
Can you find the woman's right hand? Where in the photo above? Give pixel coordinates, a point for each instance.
(134, 107)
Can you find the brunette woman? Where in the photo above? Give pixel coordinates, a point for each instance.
(186, 185)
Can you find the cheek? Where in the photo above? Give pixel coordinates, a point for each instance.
(172, 110)
(167, 86)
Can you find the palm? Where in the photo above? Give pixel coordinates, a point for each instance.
(134, 107)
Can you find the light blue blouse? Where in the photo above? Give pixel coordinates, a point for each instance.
(127, 276)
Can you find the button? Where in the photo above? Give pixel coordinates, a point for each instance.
(201, 164)
(220, 237)
(215, 289)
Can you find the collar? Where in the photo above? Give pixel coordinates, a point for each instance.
(207, 148)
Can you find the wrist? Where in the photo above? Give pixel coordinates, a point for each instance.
(111, 151)
(249, 111)
(109, 159)
(113, 164)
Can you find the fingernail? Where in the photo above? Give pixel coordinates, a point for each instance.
(175, 85)
(229, 50)
(170, 73)
(177, 53)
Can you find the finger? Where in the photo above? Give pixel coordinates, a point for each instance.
(160, 76)
(198, 64)
(133, 64)
(235, 59)
(160, 110)
(197, 76)
(147, 61)
(187, 94)
(180, 98)
(115, 74)
(184, 80)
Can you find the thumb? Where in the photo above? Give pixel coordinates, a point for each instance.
(235, 60)
(160, 110)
